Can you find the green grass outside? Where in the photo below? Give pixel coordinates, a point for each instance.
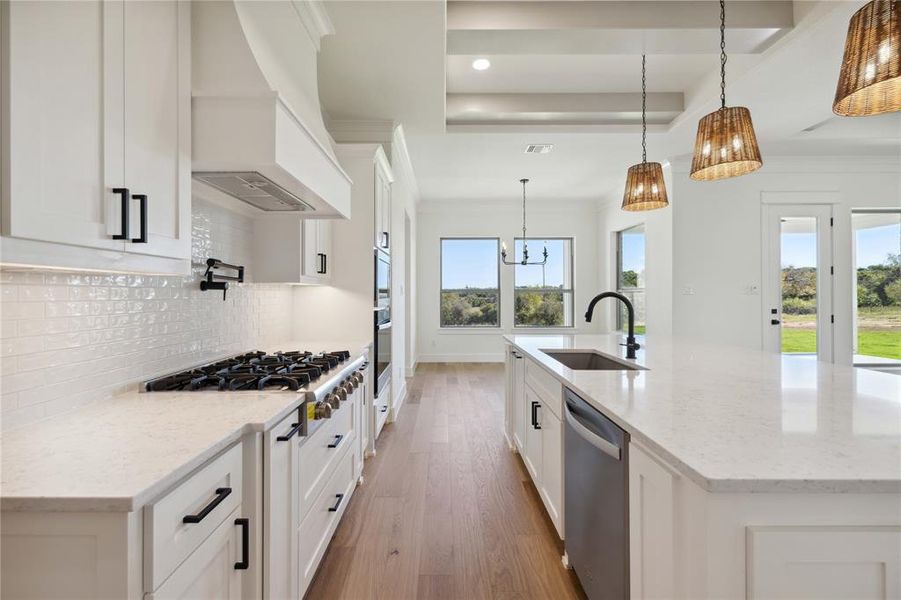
(883, 339)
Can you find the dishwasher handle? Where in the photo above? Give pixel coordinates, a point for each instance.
(611, 450)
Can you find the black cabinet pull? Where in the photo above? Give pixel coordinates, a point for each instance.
(125, 198)
(295, 428)
(244, 563)
(535, 406)
(385, 239)
(774, 321)
(142, 199)
(324, 264)
(334, 508)
(321, 269)
(221, 494)
(385, 408)
(338, 438)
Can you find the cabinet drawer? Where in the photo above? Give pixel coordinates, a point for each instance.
(546, 386)
(321, 451)
(206, 499)
(316, 529)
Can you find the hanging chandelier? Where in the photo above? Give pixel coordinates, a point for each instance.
(869, 82)
(525, 244)
(726, 145)
(645, 188)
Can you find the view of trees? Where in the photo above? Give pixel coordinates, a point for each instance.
(539, 309)
(629, 279)
(877, 286)
(469, 307)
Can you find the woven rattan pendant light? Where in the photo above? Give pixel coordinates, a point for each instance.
(726, 145)
(645, 189)
(869, 82)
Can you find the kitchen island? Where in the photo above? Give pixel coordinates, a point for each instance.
(751, 474)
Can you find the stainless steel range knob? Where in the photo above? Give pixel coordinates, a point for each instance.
(358, 377)
(350, 384)
(323, 410)
(332, 400)
(341, 393)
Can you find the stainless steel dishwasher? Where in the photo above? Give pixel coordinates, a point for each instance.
(596, 479)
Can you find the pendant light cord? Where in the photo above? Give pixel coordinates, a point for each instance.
(644, 122)
(524, 243)
(723, 53)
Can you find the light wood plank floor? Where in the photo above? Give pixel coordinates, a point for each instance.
(446, 510)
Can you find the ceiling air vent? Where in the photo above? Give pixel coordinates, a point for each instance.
(538, 148)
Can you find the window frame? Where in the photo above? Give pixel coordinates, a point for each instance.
(497, 256)
(618, 269)
(571, 289)
(875, 361)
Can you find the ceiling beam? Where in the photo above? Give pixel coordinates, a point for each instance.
(607, 108)
(676, 14)
(607, 41)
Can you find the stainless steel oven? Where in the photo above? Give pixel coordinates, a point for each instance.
(382, 322)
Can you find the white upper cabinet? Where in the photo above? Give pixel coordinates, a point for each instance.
(157, 123)
(97, 98)
(289, 249)
(382, 208)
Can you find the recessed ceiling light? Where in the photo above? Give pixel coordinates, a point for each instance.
(480, 64)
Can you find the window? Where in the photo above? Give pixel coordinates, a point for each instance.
(543, 294)
(630, 275)
(877, 262)
(470, 282)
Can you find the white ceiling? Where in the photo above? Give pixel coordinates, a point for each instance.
(388, 60)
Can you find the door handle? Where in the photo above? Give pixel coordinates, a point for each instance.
(244, 563)
(611, 450)
(221, 494)
(142, 238)
(535, 423)
(295, 427)
(334, 508)
(125, 198)
(774, 321)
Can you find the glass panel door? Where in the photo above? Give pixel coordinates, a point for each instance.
(797, 298)
(877, 274)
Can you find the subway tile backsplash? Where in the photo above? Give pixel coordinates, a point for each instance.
(70, 338)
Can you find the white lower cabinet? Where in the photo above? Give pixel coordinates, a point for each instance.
(536, 430)
(211, 572)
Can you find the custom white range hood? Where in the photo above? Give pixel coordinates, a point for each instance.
(258, 133)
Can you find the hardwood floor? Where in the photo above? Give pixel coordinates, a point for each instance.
(446, 510)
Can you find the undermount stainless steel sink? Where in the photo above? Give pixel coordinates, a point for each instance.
(589, 360)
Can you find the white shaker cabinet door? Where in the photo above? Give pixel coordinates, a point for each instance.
(210, 572)
(65, 110)
(157, 124)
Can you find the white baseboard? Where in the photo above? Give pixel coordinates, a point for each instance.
(462, 358)
(410, 371)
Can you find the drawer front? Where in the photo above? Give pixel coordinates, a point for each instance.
(207, 497)
(320, 452)
(546, 386)
(317, 528)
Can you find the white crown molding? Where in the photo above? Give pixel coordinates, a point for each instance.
(471, 205)
(315, 20)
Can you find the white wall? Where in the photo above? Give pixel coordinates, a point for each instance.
(658, 261)
(439, 219)
(69, 338)
(717, 241)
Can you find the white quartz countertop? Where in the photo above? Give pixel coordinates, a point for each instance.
(116, 454)
(739, 420)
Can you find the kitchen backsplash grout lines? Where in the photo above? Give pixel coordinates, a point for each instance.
(69, 338)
